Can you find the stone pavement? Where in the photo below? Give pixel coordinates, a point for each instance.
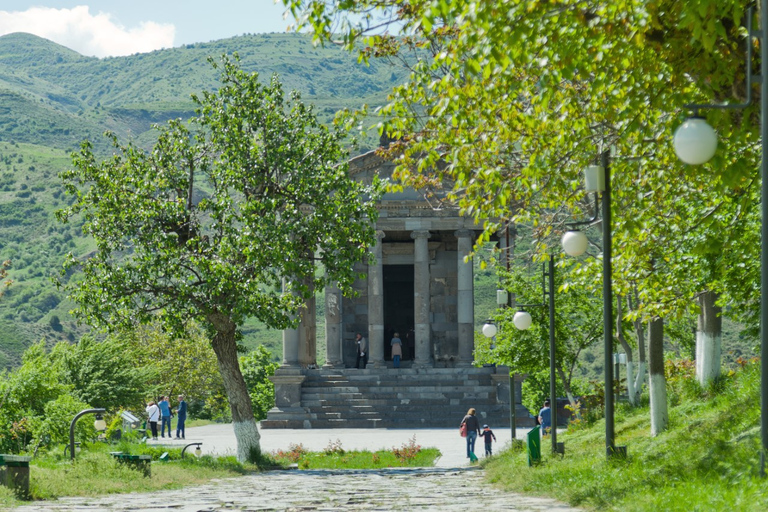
(452, 486)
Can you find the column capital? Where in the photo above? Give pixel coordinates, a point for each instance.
(422, 233)
(464, 233)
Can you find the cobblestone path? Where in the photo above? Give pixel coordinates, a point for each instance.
(433, 489)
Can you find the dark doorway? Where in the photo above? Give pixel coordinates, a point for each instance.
(398, 308)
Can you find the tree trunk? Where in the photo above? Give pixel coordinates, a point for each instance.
(566, 386)
(709, 336)
(243, 422)
(658, 388)
(641, 364)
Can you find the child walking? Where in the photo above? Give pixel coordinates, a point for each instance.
(489, 438)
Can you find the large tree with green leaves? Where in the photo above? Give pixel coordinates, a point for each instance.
(206, 225)
(508, 101)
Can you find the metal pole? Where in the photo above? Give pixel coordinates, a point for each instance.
(605, 160)
(512, 398)
(763, 235)
(72, 428)
(552, 381)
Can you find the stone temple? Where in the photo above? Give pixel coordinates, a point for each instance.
(420, 287)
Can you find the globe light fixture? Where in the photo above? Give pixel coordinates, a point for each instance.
(100, 425)
(574, 243)
(489, 329)
(198, 452)
(522, 320)
(695, 141)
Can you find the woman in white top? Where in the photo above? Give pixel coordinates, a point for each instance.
(153, 412)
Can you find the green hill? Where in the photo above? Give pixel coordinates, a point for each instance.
(708, 458)
(51, 98)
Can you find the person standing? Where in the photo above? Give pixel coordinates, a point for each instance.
(153, 414)
(397, 350)
(362, 351)
(488, 437)
(181, 417)
(165, 411)
(473, 429)
(545, 418)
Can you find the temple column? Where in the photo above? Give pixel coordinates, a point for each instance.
(333, 357)
(376, 306)
(288, 378)
(421, 299)
(465, 298)
(290, 344)
(308, 327)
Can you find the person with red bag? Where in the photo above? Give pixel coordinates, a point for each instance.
(472, 426)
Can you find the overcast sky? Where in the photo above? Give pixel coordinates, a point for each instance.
(104, 28)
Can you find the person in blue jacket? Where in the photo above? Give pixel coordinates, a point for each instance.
(181, 417)
(545, 418)
(165, 411)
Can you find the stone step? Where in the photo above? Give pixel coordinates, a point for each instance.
(396, 377)
(394, 385)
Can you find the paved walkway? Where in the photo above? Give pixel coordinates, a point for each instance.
(220, 440)
(452, 486)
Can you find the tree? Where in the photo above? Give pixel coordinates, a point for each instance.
(102, 374)
(512, 99)
(4, 266)
(182, 365)
(658, 386)
(577, 326)
(207, 224)
(257, 368)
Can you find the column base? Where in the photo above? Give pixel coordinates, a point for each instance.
(287, 387)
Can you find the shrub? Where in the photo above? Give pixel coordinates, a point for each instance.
(408, 451)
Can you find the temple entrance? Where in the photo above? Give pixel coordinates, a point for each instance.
(398, 308)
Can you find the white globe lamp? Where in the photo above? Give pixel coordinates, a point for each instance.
(695, 141)
(489, 330)
(522, 320)
(574, 243)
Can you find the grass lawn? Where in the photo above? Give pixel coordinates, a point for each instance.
(706, 461)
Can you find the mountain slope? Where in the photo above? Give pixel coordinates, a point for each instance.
(52, 98)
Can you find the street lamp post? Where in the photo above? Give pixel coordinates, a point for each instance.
(489, 331)
(575, 244)
(522, 321)
(99, 424)
(695, 143)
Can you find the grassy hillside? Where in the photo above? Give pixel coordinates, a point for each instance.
(707, 460)
(52, 98)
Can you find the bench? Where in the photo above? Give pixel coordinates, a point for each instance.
(137, 462)
(14, 474)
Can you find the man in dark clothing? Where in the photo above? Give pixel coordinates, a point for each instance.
(362, 351)
(181, 417)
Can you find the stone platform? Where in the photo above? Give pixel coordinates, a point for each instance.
(392, 398)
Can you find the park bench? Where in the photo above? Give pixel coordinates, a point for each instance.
(14, 474)
(137, 462)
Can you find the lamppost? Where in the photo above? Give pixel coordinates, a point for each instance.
(695, 143)
(489, 331)
(99, 424)
(522, 321)
(598, 179)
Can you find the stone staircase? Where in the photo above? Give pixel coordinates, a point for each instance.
(401, 398)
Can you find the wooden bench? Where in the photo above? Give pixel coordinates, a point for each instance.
(137, 462)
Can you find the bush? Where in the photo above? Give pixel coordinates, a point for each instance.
(257, 367)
